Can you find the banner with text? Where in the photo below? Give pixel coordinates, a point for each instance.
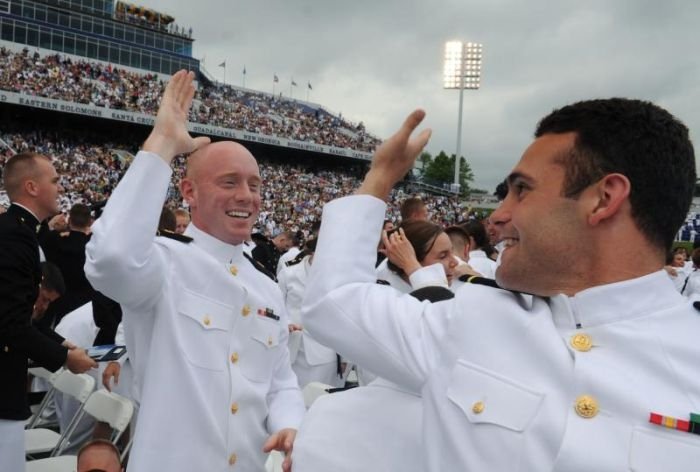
(144, 119)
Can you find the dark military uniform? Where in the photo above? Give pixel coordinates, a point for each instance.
(67, 251)
(20, 276)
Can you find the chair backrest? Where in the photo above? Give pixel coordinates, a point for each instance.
(78, 386)
(110, 408)
(104, 406)
(42, 373)
(51, 377)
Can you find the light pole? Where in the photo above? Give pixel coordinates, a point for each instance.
(462, 71)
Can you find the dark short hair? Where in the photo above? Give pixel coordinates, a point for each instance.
(477, 231)
(459, 232)
(52, 278)
(421, 234)
(501, 190)
(79, 215)
(18, 169)
(167, 220)
(411, 206)
(695, 257)
(639, 140)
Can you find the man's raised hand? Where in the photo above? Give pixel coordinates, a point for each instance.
(170, 136)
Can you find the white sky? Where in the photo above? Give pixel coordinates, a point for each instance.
(375, 61)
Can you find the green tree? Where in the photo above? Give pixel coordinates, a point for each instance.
(442, 170)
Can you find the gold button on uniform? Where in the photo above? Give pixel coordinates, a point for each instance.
(245, 311)
(232, 459)
(234, 408)
(233, 269)
(206, 320)
(269, 341)
(234, 357)
(586, 406)
(581, 342)
(478, 407)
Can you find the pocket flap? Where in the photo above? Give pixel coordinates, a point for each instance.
(669, 451)
(209, 314)
(266, 332)
(487, 397)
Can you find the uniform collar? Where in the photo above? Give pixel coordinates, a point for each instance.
(477, 253)
(615, 302)
(24, 214)
(216, 248)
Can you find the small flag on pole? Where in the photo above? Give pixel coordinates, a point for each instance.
(223, 64)
(310, 87)
(275, 78)
(243, 70)
(294, 83)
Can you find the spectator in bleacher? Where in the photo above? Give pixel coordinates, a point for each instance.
(234, 384)
(32, 185)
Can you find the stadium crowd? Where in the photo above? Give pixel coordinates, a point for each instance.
(90, 170)
(90, 82)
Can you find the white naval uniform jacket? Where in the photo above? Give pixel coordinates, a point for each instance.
(292, 282)
(503, 385)
(212, 368)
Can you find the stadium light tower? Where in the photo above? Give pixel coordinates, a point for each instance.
(462, 71)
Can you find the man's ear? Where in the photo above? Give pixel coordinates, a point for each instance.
(187, 191)
(610, 192)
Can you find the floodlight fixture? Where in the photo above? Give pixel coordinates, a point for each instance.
(462, 70)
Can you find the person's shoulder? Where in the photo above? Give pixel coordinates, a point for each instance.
(173, 236)
(260, 267)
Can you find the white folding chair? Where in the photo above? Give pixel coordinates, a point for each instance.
(274, 462)
(312, 391)
(102, 405)
(39, 372)
(42, 440)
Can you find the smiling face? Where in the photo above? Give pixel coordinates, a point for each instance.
(222, 188)
(442, 252)
(544, 233)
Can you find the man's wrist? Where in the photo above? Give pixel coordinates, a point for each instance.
(159, 145)
(375, 184)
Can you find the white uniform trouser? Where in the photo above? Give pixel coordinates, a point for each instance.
(325, 373)
(12, 446)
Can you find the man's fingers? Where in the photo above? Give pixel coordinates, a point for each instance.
(411, 123)
(177, 84)
(200, 142)
(420, 141)
(270, 443)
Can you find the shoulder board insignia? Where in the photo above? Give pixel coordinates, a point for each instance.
(299, 257)
(383, 282)
(475, 279)
(173, 235)
(260, 267)
(433, 294)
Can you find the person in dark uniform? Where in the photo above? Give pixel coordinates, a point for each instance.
(32, 184)
(66, 249)
(268, 251)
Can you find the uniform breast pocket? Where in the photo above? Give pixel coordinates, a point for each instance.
(490, 399)
(203, 326)
(262, 349)
(670, 451)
